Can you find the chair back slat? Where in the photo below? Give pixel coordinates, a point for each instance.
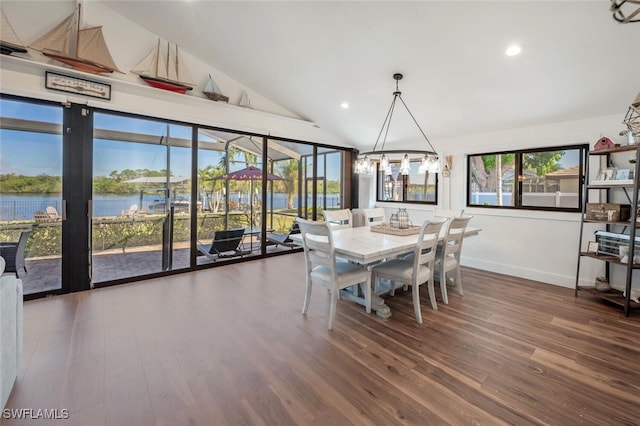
(425, 250)
(453, 240)
(374, 216)
(318, 243)
(338, 218)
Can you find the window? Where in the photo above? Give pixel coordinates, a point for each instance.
(412, 188)
(540, 179)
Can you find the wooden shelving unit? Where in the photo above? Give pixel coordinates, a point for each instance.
(623, 227)
(613, 296)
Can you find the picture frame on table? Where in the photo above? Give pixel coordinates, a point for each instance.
(593, 247)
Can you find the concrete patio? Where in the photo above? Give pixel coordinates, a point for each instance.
(44, 273)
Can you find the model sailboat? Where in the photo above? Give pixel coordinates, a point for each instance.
(167, 74)
(244, 99)
(9, 41)
(213, 92)
(84, 49)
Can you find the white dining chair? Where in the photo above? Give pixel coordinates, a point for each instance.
(415, 270)
(338, 218)
(324, 269)
(448, 255)
(374, 216)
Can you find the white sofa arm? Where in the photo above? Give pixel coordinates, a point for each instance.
(10, 332)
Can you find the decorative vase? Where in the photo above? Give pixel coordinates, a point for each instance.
(403, 219)
(394, 221)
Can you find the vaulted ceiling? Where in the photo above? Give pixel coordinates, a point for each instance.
(310, 56)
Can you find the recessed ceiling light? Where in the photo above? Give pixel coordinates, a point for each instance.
(513, 50)
(344, 105)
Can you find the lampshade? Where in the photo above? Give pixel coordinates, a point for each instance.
(429, 162)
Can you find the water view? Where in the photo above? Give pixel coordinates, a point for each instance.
(24, 207)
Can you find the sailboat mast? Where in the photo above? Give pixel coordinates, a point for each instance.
(167, 64)
(157, 57)
(75, 53)
(177, 65)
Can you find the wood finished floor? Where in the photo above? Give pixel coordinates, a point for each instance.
(229, 346)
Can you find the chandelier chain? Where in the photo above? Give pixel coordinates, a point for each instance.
(415, 121)
(393, 107)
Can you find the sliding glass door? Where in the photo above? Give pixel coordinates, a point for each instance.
(31, 202)
(141, 201)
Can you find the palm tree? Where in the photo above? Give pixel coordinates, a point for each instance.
(206, 175)
(288, 170)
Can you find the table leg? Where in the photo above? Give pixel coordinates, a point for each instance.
(377, 303)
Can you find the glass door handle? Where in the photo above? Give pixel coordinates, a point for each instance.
(64, 210)
(90, 209)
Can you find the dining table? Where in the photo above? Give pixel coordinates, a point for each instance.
(363, 246)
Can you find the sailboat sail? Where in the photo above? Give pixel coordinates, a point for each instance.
(90, 54)
(9, 41)
(149, 64)
(166, 72)
(244, 99)
(57, 40)
(93, 47)
(213, 92)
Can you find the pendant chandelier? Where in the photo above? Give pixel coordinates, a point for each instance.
(625, 11)
(366, 162)
(632, 119)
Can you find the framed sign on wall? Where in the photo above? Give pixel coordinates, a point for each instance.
(77, 85)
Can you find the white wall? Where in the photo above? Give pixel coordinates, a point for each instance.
(541, 246)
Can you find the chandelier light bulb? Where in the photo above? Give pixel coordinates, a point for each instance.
(405, 165)
(384, 162)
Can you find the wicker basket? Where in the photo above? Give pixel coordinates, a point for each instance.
(386, 229)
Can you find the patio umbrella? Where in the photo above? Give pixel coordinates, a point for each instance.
(250, 173)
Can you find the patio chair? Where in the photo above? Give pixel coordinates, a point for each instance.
(131, 212)
(52, 212)
(284, 239)
(40, 216)
(13, 254)
(225, 244)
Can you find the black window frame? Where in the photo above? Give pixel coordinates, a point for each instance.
(518, 167)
